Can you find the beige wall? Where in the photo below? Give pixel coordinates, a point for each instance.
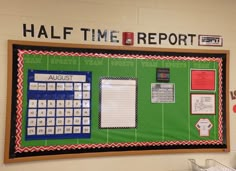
(182, 16)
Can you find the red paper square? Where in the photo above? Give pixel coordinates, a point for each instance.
(202, 79)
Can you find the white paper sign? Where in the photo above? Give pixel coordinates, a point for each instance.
(162, 93)
(118, 103)
(202, 103)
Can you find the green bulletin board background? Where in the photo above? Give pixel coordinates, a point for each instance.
(156, 122)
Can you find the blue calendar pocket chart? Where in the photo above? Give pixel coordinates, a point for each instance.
(58, 104)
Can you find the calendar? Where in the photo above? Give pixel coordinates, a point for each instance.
(58, 104)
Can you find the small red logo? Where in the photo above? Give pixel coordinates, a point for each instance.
(128, 38)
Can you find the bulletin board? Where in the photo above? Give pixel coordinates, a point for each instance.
(67, 100)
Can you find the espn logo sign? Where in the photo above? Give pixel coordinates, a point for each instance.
(210, 40)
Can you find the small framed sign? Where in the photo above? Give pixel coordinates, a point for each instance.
(163, 74)
(203, 104)
(210, 40)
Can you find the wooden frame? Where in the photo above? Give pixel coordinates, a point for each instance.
(8, 158)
